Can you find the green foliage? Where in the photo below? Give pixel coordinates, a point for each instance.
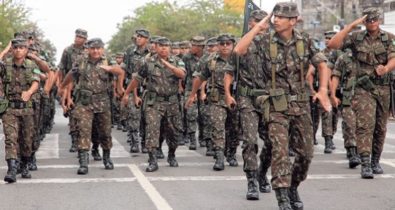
(198, 17)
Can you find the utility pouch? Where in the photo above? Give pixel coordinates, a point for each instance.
(263, 105)
(3, 105)
(278, 99)
(346, 100)
(85, 97)
(150, 98)
(366, 83)
(258, 92)
(214, 95)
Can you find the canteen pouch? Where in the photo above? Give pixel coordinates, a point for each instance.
(3, 105)
(279, 99)
(263, 105)
(365, 83)
(85, 97)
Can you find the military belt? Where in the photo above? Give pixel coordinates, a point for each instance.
(299, 97)
(249, 92)
(19, 105)
(171, 98)
(381, 81)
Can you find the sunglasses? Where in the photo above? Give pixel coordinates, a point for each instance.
(371, 20)
(226, 43)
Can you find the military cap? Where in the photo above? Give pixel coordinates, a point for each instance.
(119, 54)
(329, 34)
(175, 45)
(19, 35)
(154, 39)
(163, 41)
(81, 32)
(226, 37)
(371, 12)
(198, 40)
(34, 47)
(143, 32)
(19, 42)
(286, 9)
(258, 14)
(30, 34)
(95, 42)
(212, 41)
(185, 44)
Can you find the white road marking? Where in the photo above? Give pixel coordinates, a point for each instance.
(153, 194)
(72, 180)
(117, 150)
(49, 148)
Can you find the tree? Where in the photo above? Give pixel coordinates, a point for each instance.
(198, 17)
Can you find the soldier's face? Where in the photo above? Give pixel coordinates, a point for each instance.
(282, 24)
(175, 51)
(19, 52)
(163, 50)
(79, 40)
(141, 41)
(95, 53)
(372, 24)
(225, 47)
(196, 49)
(119, 60)
(212, 48)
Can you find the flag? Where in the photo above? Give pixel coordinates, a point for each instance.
(248, 8)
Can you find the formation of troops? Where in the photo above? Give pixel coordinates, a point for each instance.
(273, 83)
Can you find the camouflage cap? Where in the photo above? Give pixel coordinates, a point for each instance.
(198, 40)
(143, 33)
(329, 34)
(19, 42)
(175, 45)
(163, 41)
(95, 42)
(258, 15)
(81, 33)
(212, 41)
(371, 12)
(226, 37)
(185, 44)
(119, 54)
(19, 35)
(286, 9)
(154, 39)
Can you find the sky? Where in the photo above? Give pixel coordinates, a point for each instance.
(59, 19)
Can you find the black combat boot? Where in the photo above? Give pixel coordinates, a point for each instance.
(33, 162)
(95, 152)
(202, 143)
(186, 138)
(252, 185)
(10, 177)
(152, 162)
(219, 161)
(84, 160)
(108, 165)
(283, 199)
(366, 169)
(348, 152)
(129, 137)
(171, 158)
(25, 173)
(354, 159)
(159, 153)
(376, 165)
(264, 184)
(294, 198)
(192, 145)
(119, 126)
(333, 147)
(74, 141)
(328, 148)
(291, 152)
(315, 141)
(231, 157)
(125, 126)
(134, 146)
(210, 151)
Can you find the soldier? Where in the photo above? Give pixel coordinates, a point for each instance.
(162, 72)
(69, 56)
(175, 48)
(374, 50)
(184, 48)
(251, 87)
(19, 83)
(213, 71)
(131, 58)
(286, 57)
(116, 114)
(91, 75)
(191, 114)
(344, 74)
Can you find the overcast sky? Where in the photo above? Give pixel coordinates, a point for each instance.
(59, 19)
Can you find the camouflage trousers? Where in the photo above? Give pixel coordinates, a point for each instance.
(372, 112)
(116, 110)
(218, 115)
(205, 125)
(232, 129)
(348, 126)
(329, 122)
(191, 115)
(131, 115)
(72, 122)
(251, 123)
(18, 127)
(284, 173)
(38, 121)
(88, 122)
(315, 115)
(154, 114)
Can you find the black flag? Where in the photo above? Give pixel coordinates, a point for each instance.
(248, 8)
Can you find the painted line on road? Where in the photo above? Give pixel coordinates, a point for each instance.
(72, 180)
(153, 194)
(389, 163)
(118, 150)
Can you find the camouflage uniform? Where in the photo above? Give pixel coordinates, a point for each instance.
(160, 102)
(372, 93)
(191, 114)
(70, 55)
(18, 119)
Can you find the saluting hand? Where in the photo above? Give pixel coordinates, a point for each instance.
(264, 23)
(359, 21)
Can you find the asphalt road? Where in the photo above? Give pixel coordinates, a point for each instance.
(193, 185)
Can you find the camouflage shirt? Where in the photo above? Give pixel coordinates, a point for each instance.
(160, 80)
(371, 51)
(332, 56)
(346, 69)
(190, 67)
(70, 55)
(132, 57)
